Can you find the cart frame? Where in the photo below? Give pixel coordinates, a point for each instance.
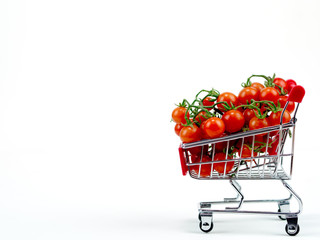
(256, 167)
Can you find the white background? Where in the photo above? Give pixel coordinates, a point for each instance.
(87, 149)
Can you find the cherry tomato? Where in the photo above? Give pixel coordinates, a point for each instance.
(201, 117)
(246, 152)
(221, 166)
(178, 115)
(269, 94)
(257, 86)
(233, 120)
(281, 83)
(227, 97)
(291, 105)
(205, 170)
(198, 150)
(256, 123)
(274, 146)
(248, 93)
(190, 134)
(219, 146)
(207, 102)
(248, 114)
(274, 118)
(177, 128)
(213, 127)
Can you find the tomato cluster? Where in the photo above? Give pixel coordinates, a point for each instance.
(213, 114)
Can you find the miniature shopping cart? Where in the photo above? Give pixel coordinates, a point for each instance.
(276, 164)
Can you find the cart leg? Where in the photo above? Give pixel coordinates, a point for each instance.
(237, 187)
(284, 206)
(292, 228)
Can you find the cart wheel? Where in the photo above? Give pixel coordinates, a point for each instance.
(292, 229)
(280, 216)
(205, 226)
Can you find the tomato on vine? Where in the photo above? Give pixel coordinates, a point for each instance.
(275, 117)
(222, 167)
(291, 105)
(190, 134)
(281, 86)
(257, 123)
(247, 94)
(233, 120)
(205, 169)
(227, 97)
(269, 94)
(177, 128)
(208, 102)
(178, 115)
(213, 127)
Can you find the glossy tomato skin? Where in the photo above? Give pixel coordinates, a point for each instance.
(291, 106)
(177, 128)
(246, 152)
(178, 115)
(205, 170)
(257, 86)
(220, 146)
(213, 127)
(233, 120)
(207, 102)
(256, 123)
(220, 167)
(281, 83)
(190, 134)
(247, 94)
(201, 117)
(227, 97)
(274, 118)
(248, 114)
(198, 150)
(269, 94)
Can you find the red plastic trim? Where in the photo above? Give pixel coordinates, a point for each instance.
(296, 94)
(184, 167)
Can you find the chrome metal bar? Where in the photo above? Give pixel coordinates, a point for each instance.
(235, 186)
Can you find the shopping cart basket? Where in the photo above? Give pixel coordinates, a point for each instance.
(275, 163)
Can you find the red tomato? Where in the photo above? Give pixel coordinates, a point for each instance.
(219, 146)
(248, 93)
(291, 105)
(257, 86)
(213, 127)
(220, 167)
(207, 102)
(274, 118)
(227, 97)
(205, 170)
(178, 115)
(281, 83)
(190, 134)
(246, 152)
(269, 94)
(198, 150)
(256, 123)
(201, 117)
(274, 146)
(248, 114)
(233, 121)
(177, 128)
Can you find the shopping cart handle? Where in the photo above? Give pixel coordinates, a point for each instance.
(296, 94)
(184, 167)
